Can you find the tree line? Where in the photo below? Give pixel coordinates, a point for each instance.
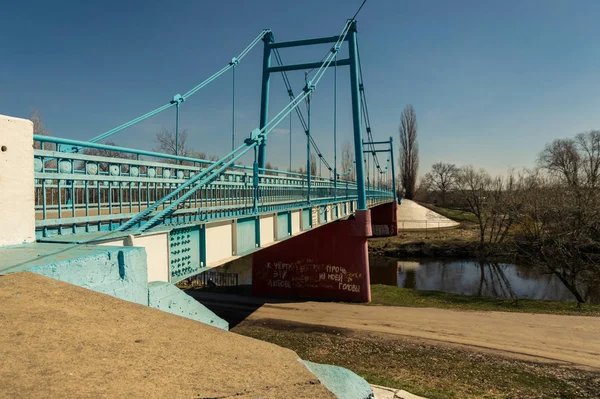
(549, 215)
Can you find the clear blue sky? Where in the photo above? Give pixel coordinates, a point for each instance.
(491, 82)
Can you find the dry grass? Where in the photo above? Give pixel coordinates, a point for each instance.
(427, 369)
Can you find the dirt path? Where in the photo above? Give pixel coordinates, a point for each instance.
(568, 339)
(412, 216)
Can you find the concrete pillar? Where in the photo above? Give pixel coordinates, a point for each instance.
(384, 219)
(17, 195)
(327, 262)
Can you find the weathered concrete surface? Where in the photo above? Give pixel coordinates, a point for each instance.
(17, 196)
(117, 271)
(168, 298)
(391, 393)
(412, 216)
(342, 382)
(58, 340)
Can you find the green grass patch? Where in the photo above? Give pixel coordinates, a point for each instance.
(385, 295)
(425, 369)
(458, 215)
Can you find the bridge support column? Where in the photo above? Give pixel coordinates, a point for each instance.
(328, 262)
(384, 219)
(17, 195)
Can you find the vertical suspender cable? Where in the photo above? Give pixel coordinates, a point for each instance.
(308, 165)
(335, 128)
(290, 142)
(177, 129)
(233, 110)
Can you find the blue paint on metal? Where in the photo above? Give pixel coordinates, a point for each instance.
(264, 95)
(392, 156)
(184, 248)
(83, 193)
(306, 66)
(283, 226)
(356, 119)
(246, 235)
(307, 42)
(306, 219)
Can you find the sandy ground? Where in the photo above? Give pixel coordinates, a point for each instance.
(58, 340)
(571, 340)
(412, 216)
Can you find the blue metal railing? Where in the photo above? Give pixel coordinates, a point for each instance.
(102, 187)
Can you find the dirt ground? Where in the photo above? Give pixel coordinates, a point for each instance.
(58, 340)
(570, 340)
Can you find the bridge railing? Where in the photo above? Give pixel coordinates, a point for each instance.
(99, 187)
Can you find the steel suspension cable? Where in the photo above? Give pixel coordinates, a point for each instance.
(177, 99)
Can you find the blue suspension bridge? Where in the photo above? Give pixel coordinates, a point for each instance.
(191, 214)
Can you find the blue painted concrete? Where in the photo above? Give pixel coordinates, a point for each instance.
(117, 271)
(342, 382)
(168, 298)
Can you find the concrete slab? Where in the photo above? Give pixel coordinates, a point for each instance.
(392, 393)
(412, 216)
(60, 340)
(17, 258)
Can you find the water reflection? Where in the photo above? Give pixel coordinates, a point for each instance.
(499, 280)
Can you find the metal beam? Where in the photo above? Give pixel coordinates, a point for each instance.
(309, 65)
(356, 120)
(375, 142)
(393, 170)
(306, 42)
(264, 98)
(370, 151)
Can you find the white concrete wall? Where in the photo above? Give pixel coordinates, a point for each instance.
(296, 215)
(219, 242)
(17, 195)
(157, 253)
(267, 230)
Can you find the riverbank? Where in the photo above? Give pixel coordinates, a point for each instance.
(461, 242)
(384, 295)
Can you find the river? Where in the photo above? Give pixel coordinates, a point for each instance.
(468, 277)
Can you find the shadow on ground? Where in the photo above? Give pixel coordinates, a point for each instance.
(234, 304)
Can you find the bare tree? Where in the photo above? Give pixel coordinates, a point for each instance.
(166, 143)
(589, 149)
(441, 179)
(409, 151)
(489, 199)
(347, 161)
(313, 164)
(39, 127)
(561, 157)
(560, 232)
(271, 169)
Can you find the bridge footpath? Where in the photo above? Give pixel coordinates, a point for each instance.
(66, 215)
